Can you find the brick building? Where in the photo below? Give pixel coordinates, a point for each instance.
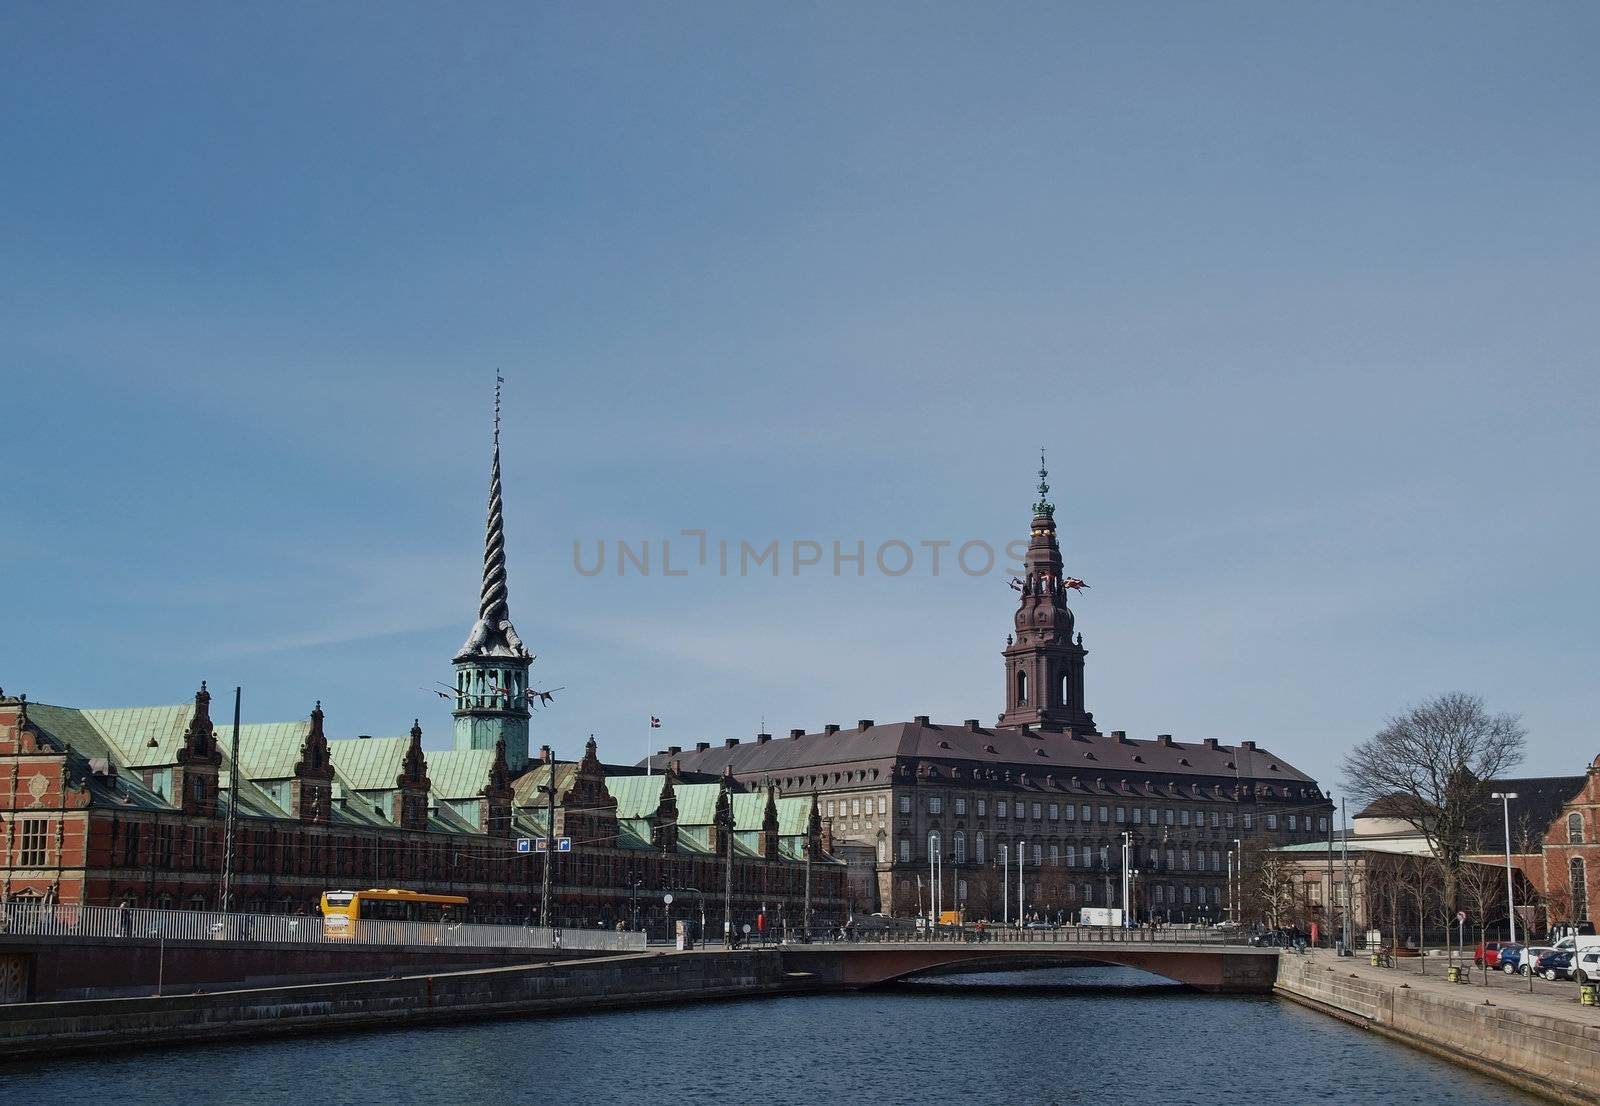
(131, 805)
(1043, 783)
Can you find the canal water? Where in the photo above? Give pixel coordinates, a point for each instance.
(1102, 1036)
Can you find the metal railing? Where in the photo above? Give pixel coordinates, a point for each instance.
(1057, 935)
(122, 923)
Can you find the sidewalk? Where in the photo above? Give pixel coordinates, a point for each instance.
(1549, 1000)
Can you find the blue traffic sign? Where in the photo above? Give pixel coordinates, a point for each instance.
(524, 845)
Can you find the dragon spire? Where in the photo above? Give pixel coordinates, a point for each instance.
(493, 634)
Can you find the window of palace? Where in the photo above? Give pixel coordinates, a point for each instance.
(935, 805)
(961, 847)
(1072, 812)
(1292, 822)
(1272, 821)
(978, 844)
(1085, 813)
(1105, 814)
(1122, 815)
(905, 804)
(1037, 811)
(905, 849)
(999, 808)
(961, 806)
(1055, 811)
(1183, 817)
(1138, 815)
(1249, 821)
(35, 839)
(1170, 816)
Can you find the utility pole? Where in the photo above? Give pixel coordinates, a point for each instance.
(549, 844)
(233, 806)
(1127, 850)
(1330, 874)
(805, 920)
(1505, 798)
(1344, 844)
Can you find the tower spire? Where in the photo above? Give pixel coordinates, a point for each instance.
(1044, 508)
(493, 635)
(492, 664)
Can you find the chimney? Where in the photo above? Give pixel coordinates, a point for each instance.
(730, 742)
(701, 746)
(1165, 739)
(796, 734)
(763, 738)
(971, 724)
(864, 724)
(1211, 743)
(831, 728)
(921, 719)
(545, 756)
(674, 750)
(1250, 745)
(1120, 737)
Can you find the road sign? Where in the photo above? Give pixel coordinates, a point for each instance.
(667, 898)
(563, 844)
(746, 927)
(1461, 915)
(524, 845)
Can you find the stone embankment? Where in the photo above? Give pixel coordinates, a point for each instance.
(42, 1029)
(1539, 1043)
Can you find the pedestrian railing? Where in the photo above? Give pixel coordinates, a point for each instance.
(201, 925)
(1058, 935)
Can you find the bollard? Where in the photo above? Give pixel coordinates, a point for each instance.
(1453, 974)
(1374, 959)
(1587, 994)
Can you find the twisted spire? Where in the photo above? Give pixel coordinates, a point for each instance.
(493, 634)
(492, 606)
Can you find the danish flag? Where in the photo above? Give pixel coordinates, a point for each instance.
(655, 723)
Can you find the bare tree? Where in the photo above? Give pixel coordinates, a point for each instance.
(1267, 893)
(1483, 892)
(1432, 765)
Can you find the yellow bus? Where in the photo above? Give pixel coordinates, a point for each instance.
(344, 911)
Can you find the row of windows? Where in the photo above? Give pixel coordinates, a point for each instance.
(1070, 856)
(1160, 894)
(1085, 812)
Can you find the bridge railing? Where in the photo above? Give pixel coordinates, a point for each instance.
(1060, 935)
(122, 923)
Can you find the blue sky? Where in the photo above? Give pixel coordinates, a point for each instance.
(1300, 299)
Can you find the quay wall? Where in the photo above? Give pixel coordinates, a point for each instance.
(1555, 1057)
(59, 968)
(44, 1029)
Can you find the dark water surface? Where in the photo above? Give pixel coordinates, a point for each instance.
(1099, 1035)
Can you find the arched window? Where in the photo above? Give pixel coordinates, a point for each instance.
(961, 847)
(1066, 688)
(978, 847)
(1575, 828)
(1022, 687)
(1580, 889)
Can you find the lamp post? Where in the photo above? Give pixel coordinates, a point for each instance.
(1505, 798)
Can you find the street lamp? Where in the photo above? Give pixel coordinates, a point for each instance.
(1505, 798)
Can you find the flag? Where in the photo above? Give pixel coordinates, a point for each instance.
(655, 723)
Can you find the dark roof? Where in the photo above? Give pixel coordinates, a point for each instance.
(1538, 803)
(1032, 751)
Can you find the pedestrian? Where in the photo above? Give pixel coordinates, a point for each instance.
(125, 919)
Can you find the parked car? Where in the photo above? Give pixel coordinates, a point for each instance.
(1527, 957)
(1506, 957)
(1587, 967)
(1554, 965)
(1488, 954)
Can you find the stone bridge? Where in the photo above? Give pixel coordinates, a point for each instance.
(1207, 966)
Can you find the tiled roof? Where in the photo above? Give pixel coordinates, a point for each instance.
(1004, 747)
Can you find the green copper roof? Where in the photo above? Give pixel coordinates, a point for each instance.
(697, 803)
(131, 729)
(457, 773)
(369, 763)
(636, 796)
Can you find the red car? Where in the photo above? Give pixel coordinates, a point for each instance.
(1488, 953)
